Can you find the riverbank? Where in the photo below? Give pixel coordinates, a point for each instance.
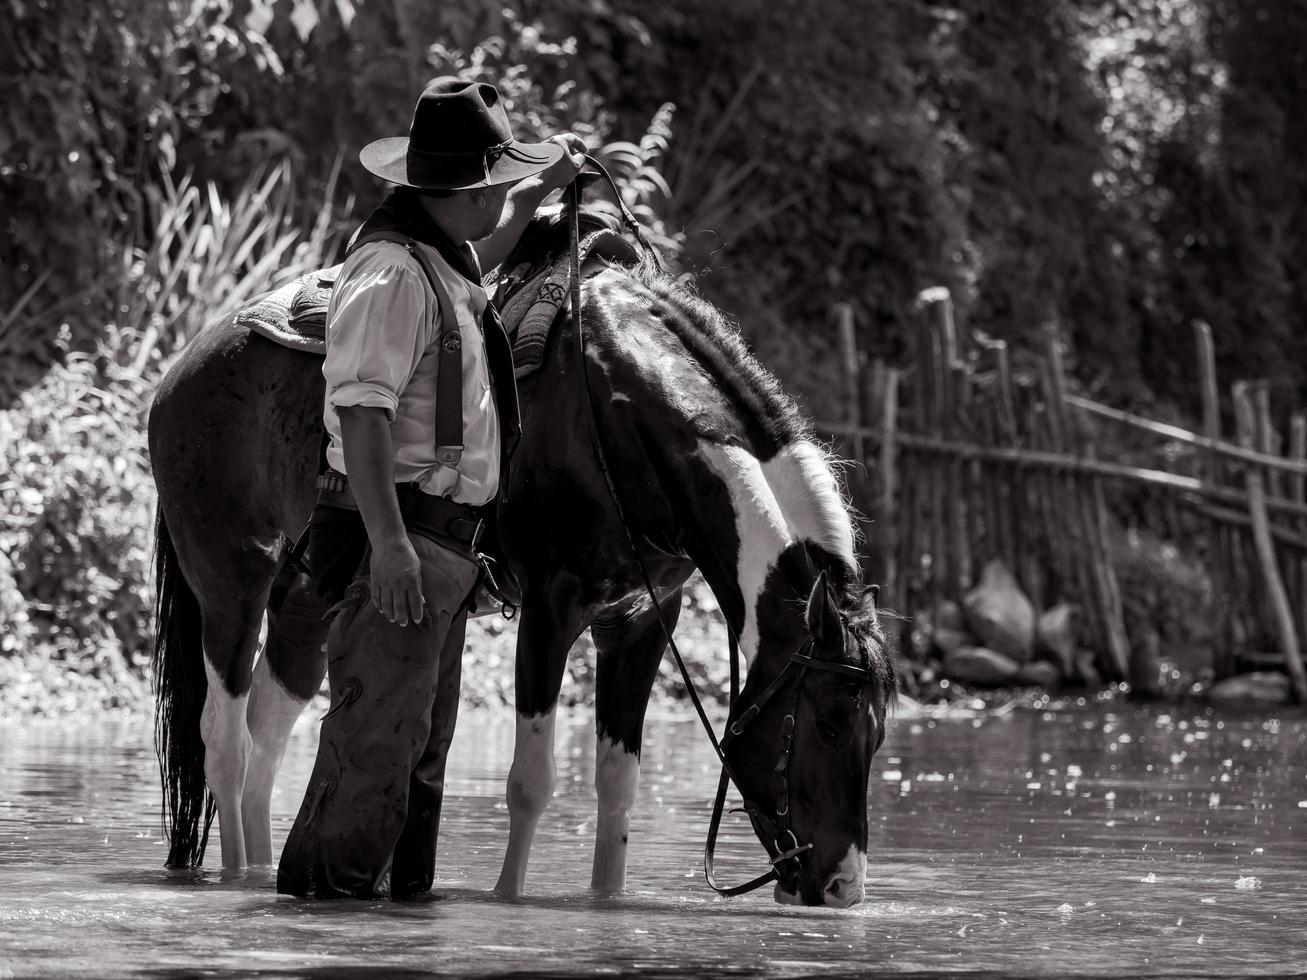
(43, 681)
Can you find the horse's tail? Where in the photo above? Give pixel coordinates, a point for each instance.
(180, 689)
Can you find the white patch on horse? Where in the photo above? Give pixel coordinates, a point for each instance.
(793, 496)
(271, 716)
(227, 746)
(847, 886)
(760, 525)
(617, 778)
(530, 787)
(809, 497)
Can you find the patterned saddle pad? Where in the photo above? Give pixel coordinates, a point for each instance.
(530, 299)
(294, 315)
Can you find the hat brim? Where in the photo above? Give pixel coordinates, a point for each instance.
(388, 159)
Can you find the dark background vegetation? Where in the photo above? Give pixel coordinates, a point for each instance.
(1120, 168)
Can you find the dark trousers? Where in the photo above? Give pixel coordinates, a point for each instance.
(369, 821)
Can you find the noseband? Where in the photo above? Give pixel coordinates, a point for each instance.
(785, 844)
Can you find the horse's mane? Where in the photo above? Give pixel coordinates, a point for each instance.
(706, 332)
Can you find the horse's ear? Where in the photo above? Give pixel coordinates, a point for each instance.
(824, 616)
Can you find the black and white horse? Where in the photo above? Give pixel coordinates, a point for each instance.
(716, 470)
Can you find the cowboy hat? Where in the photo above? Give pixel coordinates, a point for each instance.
(459, 139)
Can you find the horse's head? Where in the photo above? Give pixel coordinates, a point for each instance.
(801, 737)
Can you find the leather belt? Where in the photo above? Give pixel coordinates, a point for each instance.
(444, 520)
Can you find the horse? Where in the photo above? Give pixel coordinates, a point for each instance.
(711, 466)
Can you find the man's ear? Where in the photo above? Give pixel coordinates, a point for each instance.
(823, 616)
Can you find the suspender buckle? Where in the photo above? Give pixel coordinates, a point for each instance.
(449, 456)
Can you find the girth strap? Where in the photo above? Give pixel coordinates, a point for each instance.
(449, 366)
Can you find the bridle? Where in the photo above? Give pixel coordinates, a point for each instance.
(785, 845)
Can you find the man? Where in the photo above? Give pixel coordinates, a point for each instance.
(412, 344)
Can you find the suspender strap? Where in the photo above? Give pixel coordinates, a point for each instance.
(449, 366)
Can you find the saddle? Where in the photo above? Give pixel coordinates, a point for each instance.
(530, 297)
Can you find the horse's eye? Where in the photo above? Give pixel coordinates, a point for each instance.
(828, 733)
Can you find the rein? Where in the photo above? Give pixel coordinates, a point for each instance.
(784, 841)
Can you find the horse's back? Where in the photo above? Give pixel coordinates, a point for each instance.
(235, 436)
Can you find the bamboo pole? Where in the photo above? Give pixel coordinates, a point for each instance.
(923, 478)
(1295, 491)
(1245, 415)
(1042, 459)
(1222, 543)
(1289, 537)
(1298, 453)
(889, 423)
(1268, 440)
(850, 373)
(1176, 433)
(959, 498)
(934, 401)
(1011, 485)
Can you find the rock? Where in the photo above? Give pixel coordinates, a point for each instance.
(1039, 673)
(1258, 687)
(977, 665)
(1058, 633)
(948, 640)
(1000, 614)
(1146, 669)
(1086, 671)
(949, 616)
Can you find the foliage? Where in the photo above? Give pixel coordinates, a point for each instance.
(75, 586)
(203, 255)
(76, 548)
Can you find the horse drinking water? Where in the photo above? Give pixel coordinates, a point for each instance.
(711, 467)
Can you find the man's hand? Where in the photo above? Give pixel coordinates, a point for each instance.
(562, 173)
(397, 581)
(526, 196)
(370, 463)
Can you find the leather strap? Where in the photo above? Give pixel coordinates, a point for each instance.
(449, 366)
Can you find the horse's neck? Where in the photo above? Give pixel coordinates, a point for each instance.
(783, 510)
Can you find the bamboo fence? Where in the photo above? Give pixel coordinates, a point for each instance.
(969, 460)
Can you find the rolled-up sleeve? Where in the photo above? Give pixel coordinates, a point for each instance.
(378, 329)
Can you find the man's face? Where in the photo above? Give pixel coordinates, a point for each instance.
(483, 220)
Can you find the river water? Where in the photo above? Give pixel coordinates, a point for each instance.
(1067, 840)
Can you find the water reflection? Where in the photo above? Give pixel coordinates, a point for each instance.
(1093, 841)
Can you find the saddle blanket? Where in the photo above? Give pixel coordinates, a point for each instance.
(295, 315)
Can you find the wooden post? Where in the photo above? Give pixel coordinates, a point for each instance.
(851, 371)
(964, 485)
(889, 423)
(932, 466)
(1222, 546)
(1268, 440)
(1296, 491)
(1246, 418)
(1297, 451)
(1012, 485)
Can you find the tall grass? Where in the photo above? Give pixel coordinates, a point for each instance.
(76, 493)
(202, 255)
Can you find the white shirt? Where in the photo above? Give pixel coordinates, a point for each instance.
(383, 326)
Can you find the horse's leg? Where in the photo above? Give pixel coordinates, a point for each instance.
(230, 637)
(549, 626)
(287, 675)
(629, 644)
